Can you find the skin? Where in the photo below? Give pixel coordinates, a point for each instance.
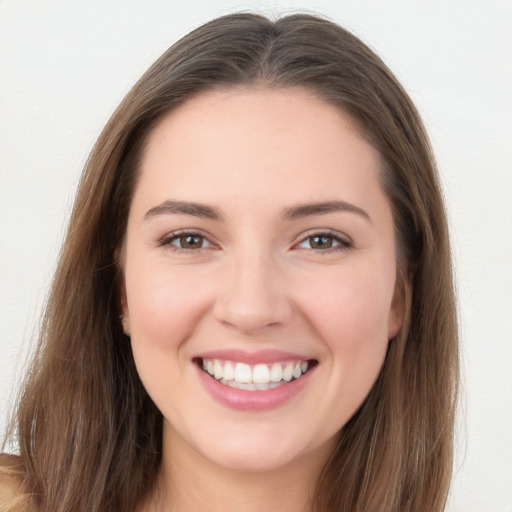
(255, 281)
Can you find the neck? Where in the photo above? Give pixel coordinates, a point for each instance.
(190, 482)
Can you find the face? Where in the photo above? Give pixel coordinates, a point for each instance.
(259, 267)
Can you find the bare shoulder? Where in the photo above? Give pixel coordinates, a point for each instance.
(12, 495)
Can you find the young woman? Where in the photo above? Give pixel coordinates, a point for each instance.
(254, 304)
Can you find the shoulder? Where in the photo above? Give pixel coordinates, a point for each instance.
(12, 495)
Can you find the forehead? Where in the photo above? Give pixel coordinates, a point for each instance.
(256, 110)
(283, 144)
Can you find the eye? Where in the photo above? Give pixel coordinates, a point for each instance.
(185, 241)
(324, 242)
(189, 241)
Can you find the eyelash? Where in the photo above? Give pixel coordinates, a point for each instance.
(343, 243)
(168, 240)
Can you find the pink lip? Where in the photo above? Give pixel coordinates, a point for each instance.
(261, 356)
(242, 400)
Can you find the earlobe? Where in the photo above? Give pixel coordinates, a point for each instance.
(125, 315)
(398, 308)
(124, 323)
(123, 300)
(394, 323)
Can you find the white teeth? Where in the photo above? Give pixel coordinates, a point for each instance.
(243, 373)
(258, 377)
(261, 374)
(217, 369)
(229, 371)
(288, 372)
(276, 373)
(251, 387)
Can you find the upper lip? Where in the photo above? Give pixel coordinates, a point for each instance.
(259, 356)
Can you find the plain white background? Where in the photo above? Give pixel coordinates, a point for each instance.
(65, 65)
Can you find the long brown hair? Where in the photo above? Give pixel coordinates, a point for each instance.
(90, 437)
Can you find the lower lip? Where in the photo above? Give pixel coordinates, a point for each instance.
(243, 400)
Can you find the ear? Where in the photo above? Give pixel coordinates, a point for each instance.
(125, 315)
(121, 288)
(398, 307)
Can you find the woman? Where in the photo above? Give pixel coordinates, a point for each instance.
(254, 303)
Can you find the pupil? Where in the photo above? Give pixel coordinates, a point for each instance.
(191, 242)
(321, 242)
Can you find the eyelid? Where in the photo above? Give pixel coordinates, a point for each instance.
(166, 241)
(344, 241)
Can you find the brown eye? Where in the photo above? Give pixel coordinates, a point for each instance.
(189, 242)
(320, 242)
(324, 242)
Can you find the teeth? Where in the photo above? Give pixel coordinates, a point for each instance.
(217, 370)
(276, 373)
(251, 387)
(288, 372)
(229, 371)
(257, 377)
(243, 373)
(261, 374)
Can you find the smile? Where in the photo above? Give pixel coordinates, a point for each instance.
(257, 377)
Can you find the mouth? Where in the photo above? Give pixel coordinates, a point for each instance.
(255, 377)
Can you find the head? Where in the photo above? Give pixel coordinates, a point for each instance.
(395, 446)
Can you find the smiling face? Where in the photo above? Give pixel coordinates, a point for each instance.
(259, 267)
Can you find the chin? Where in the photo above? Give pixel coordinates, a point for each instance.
(252, 461)
(258, 453)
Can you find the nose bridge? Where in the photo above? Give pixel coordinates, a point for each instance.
(253, 294)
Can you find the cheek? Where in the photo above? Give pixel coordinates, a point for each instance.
(164, 304)
(351, 319)
(352, 301)
(349, 312)
(164, 308)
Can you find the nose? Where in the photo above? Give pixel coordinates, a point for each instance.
(253, 294)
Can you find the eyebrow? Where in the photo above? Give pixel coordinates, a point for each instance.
(291, 213)
(184, 208)
(305, 210)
